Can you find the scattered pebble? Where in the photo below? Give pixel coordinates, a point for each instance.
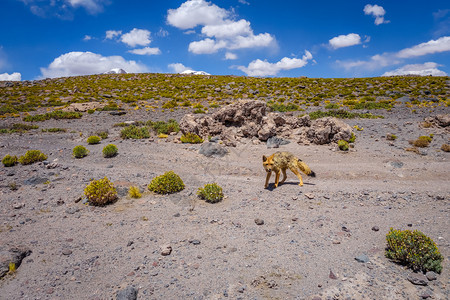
(67, 252)
(259, 221)
(417, 279)
(431, 275)
(166, 250)
(362, 258)
(129, 293)
(332, 275)
(375, 228)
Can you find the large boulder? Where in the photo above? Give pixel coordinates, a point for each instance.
(327, 130)
(11, 255)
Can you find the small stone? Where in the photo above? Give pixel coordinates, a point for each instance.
(425, 294)
(176, 215)
(259, 221)
(166, 250)
(317, 297)
(375, 228)
(362, 258)
(431, 275)
(194, 242)
(417, 279)
(72, 210)
(336, 242)
(50, 291)
(332, 275)
(129, 293)
(18, 205)
(409, 225)
(309, 195)
(67, 252)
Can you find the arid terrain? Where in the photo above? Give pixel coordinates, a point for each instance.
(305, 248)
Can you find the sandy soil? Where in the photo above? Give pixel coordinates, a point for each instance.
(305, 249)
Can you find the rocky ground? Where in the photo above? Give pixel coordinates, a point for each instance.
(291, 242)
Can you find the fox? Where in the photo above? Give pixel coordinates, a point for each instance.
(279, 162)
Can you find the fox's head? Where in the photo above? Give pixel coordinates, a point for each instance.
(268, 163)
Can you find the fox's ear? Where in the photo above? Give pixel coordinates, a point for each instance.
(264, 158)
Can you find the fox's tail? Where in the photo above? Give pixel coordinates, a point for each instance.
(305, 169)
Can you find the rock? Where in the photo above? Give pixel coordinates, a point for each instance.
(362, 258)
(425, 294)
(431, 275)
(66, 251)
(194, 242)
(18, 205)
(212, 149)
(117, 113)
(268, 129)
(35, 180)
(72, 210)
(13, 255)
(332, 275)
(443, 120)
(276, 142)
(129, 293)
(417, 279)
(83, 107)
(327, 130)
(309, 195)
(259, 222)
(166, 250)
(375, 228)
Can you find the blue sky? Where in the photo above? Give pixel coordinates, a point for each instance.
(54, 38)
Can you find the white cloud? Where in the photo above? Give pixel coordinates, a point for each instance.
(220, 30)
(230, 56)
(178, 67)
(10, 77)
(426, 69)
(146, 51)
(393, 58)
(264, 68)
(244, 2)
(111, 34)
(92, 6)
(162, 33)
(434, 46)
(377, 11)
(136, 37)
(206, 46)
(87, 38)
(348, 40)
(87, 63)
(196, 12)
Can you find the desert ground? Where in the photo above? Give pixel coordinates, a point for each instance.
(305, 247)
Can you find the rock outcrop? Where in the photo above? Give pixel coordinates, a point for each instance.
(254, 120)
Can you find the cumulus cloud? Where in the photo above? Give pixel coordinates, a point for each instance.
(178, 67)
(218, 28)
(426, 69)
(393, 58)
(87, 38)
(348, 40)
(196, 12)
(10, 77)
(87, 63)
(434, 46)
(264, 68)
(136, 37)
(376, 11)
(111, 34)
(230, 56)
(146, 51)
(92, 6)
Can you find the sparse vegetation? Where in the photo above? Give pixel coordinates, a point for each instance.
(134, 192)
(422, 142)
(54, 130)
(134, 132)
(80, 151)
(413, 249)
(93, 139)
(343, 145)
(100, 192)
(391, 137)
(9, 161)
(165, 127)
(103, 134)
(168, 183)
(341, 114)
(191, 138)
(211, 193)
(445, 147)
(32, 156)
(57, 115)
(109, 151)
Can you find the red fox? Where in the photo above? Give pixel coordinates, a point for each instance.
(279, 162)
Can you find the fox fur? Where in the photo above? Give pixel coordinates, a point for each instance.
(280, 162)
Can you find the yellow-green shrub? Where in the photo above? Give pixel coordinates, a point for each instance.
(413, 249)
(191, 138)
(80, 151)
(9, 161)
(93, 139)
(31, 157)
(167, 183)
(343, 145)
(100, 192)
(134, 192)
(109, 151)
(211, 193)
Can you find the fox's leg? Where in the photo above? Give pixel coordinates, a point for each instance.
(267, 179)
(284, 175)
(277, 178)
(296, 172)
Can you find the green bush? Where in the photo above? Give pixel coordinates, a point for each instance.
(191, 138)
(352, 138)
(134, 192)
(211, 193)
(413, 249)
(134, 132)
(343, 145)
(168, 183)
(109, 151)
(445, 147)
(93, 139)
(100, 192)
(80, 151)
(103, 134)
(422, 142)
(54, 130)
(341, 114)
(284, 108)
(9, 161)
(32, 156)
(165, 127)
(57, 115)
(332, 106)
